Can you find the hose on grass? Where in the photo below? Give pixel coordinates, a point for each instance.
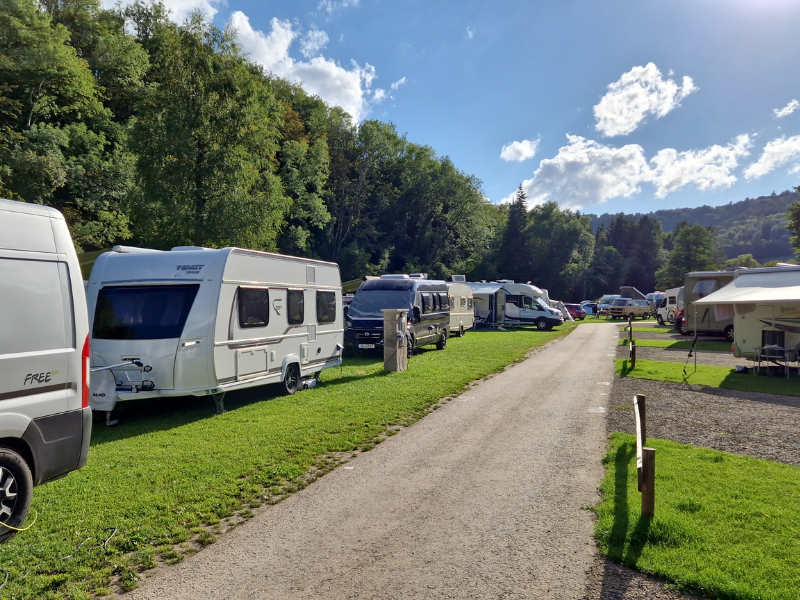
(20, 529)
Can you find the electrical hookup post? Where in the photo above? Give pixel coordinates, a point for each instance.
(395, 357)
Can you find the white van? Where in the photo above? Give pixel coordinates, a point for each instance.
(507, 303)
(201, 322)
(462, 313)
(45, 421)
(669, 305)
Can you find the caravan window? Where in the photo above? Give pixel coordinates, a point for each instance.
(147, 312)
(469, 303)
(463, 302)
(253, 307)
(296, 307)
(443, 301)
(326, 307)
(427, 303)
(705, 286)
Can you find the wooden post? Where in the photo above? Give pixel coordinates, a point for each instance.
(633, 353)
(648, 481)
(630, 328)
(641, 402)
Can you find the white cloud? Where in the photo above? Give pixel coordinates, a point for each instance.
(331, 6)
(586, 173)
(181, 8)
(319, 76)
(638, 93)
(786, 110)
(709, 168)
(313, 42)
(519, 151)
(379, 96)
(470, 32)
(775, 154)
(398, 83)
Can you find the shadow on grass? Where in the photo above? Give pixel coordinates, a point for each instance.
(625, 547)
(626, 368)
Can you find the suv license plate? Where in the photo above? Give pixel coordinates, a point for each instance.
(366, 345)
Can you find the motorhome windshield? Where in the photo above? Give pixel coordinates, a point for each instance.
(151, 312)
(368, 304)
(541, 303)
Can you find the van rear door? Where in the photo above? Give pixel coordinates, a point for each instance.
(142, 323)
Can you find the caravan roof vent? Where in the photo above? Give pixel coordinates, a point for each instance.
(504, 281)
(459, 278)
(131, 249)
(187, 248)
(394, 276)
(418, 276)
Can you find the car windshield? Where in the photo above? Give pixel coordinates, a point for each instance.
(619, 302)
(368, 304)
(153, 312)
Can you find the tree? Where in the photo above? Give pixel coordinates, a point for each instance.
(693, 251)
(793, 224)
(514, 255)
(743, 260)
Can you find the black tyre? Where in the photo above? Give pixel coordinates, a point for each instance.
(729, 333)
(409, 346)
(541, 324)
(660, 319)
(461, 331)
(16, 489)
(291, 381)
(442, 343)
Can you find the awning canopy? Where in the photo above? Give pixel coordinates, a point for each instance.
(485, 288)
(759, 287)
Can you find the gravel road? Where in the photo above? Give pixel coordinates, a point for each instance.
(484, 498)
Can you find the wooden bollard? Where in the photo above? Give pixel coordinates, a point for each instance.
(633, 353)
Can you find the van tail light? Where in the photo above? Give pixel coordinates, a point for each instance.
(85, 358)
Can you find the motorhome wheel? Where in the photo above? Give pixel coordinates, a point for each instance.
(442, 343)
(16, 486)
(729, 333)
(291, 380)
(660, 319)
(541, 324)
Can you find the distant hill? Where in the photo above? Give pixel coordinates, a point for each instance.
(754, 226)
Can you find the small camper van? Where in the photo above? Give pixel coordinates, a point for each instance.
(201, 322)
(45, 421)
(508, 303)
(700, 318)
(764, 306)
(462, 315)
(668, 306)
(427, 303)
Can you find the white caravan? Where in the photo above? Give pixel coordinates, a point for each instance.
(45, 421)
(462, 312)
(668, 306)
(764, 305)
(202, 322)
(507, 303)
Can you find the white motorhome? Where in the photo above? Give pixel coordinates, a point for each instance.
(462, 313)
(508, 303)
(764, 306)
(202, 322)
(668, 306)
(45, 421)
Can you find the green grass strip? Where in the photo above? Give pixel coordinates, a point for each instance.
(725, 526)
(171, 474)
(679, 344)
(594, 319)
(711, 376)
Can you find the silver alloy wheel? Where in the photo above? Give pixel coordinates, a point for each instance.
(8, 494)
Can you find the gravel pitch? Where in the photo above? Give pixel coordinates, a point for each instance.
(747, 423)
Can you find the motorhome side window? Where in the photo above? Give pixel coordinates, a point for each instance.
(435, 299)
(443, 301)
(705, 286)
(144, 312)
(326, 307)
(31, 308)
(253, 307)
(296, 307)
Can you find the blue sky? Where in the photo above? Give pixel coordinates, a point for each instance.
(601, 105)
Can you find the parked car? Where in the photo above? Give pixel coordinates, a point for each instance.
(45, 420)
(428, 311)
(604, 302)
(577, 311)
(627, 307)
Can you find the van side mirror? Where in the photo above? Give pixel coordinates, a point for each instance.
(416, 315)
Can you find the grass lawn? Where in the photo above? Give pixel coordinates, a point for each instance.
(171, 475)
(718, 377)
(679, 344)
(725, 526)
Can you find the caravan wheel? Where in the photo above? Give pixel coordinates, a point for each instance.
(291, 380)
(16, 487)
(442, 343)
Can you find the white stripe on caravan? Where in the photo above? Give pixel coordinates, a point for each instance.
(275, 337)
